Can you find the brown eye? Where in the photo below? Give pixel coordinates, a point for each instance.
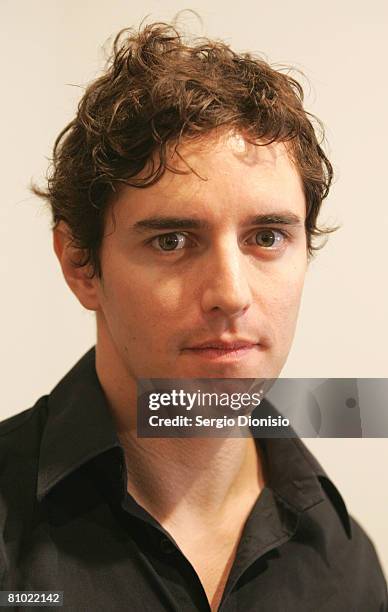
(170, 242)
(266, 238)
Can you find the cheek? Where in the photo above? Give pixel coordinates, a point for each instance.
(141, 300)
(284, 302)
(170, 296)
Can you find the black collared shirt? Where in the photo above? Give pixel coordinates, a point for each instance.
(67, 523)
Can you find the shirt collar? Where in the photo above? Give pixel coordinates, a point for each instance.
(80, 427)
(299, 480)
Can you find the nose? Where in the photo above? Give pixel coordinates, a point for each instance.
(225, 285)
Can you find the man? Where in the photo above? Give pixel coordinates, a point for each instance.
(185, 196)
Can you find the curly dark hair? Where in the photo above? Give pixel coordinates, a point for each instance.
(158, 89)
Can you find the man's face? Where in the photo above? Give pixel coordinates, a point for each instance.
(189, 261)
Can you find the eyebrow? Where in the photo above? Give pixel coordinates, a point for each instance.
(163, 223)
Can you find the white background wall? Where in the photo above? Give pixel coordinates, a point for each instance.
(51, 49)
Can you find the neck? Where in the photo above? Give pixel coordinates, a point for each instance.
(194, 481)
(199, 479)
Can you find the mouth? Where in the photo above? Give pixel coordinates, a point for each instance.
(223, 352)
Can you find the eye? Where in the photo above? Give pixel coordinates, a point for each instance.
(174, 241)
(269, 238)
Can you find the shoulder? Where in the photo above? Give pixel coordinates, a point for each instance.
(361, 570)
(28, 421)
(364, 557)
(350, 552)
(20, 439)
(342, 544)
(18, 420)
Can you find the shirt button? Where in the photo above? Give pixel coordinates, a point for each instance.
(166, 546)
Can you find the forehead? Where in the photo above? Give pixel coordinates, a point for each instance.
(220, 176)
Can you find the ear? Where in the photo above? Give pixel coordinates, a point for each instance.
(78, 278)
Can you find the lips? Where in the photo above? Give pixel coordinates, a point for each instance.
(228, 352)
(224, 346)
